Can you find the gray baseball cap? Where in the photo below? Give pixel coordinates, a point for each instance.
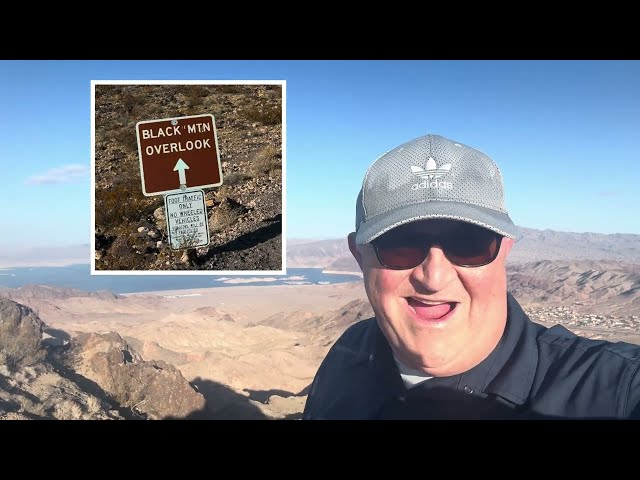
(431, 177)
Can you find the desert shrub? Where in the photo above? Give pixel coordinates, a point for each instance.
(231, 88)
(276, 89)
(236, 178)
(123, 254)
(126, 137)
(267, 114)
(155, 111)
(190, 110)
(123, 203)
(129, 101)
(195, 92)
(267, 161)
(218, 194)
(194, 95)
(224, 217)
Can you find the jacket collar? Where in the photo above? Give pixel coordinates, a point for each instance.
(514, 360)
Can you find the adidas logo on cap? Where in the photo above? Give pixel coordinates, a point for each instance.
(430, 174)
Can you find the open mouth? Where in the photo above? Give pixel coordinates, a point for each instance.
(432, 311)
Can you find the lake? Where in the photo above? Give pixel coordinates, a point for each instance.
(79, 276)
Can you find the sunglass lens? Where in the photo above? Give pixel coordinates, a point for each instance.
(400, 256)
(473, 247)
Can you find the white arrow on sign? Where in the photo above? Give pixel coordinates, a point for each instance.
(181, 167)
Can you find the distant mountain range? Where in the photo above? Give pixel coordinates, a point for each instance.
(597, 286)
(45, 256)
(333, 255)
(532, 245)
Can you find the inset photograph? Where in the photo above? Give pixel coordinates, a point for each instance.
(187, 177)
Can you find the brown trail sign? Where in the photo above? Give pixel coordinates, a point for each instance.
(178, 153)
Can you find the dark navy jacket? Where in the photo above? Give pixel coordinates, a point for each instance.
(534, 372)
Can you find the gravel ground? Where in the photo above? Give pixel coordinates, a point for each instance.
(244, 214)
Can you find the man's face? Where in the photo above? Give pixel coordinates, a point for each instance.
(438, 317)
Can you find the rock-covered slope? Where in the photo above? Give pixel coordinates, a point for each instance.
(244, 214)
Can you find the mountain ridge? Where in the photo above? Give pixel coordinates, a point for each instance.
(531, 245)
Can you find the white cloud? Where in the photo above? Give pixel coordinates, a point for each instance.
(67, 174)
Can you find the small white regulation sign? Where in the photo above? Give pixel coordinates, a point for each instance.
(187, 219)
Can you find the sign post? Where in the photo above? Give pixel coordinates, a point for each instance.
(178, 156)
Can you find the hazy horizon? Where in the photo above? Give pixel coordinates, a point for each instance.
(80, 253)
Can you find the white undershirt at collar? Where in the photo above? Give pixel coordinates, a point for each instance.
(410, 376)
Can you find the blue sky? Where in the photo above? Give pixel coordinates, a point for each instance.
(552, 127)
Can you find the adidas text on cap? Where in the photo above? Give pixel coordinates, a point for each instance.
(431, 177)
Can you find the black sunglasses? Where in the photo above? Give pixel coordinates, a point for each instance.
(465, 246)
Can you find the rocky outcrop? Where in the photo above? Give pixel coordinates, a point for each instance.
(20, 318)
(20, 335)
(154, 351)
(30, 386)
(153, 390)
(94, 376)
(41, 392)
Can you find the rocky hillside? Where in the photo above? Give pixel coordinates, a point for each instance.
(92, 376)
(322, 330)
(244, 214)
(605, 286)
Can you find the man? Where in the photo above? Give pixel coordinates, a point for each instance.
(448, 341)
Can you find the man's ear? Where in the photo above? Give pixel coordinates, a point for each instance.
(505, 246)
(354, 248)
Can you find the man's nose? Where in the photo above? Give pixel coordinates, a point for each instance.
(435, 272)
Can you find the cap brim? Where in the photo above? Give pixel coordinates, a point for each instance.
(484, 217)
